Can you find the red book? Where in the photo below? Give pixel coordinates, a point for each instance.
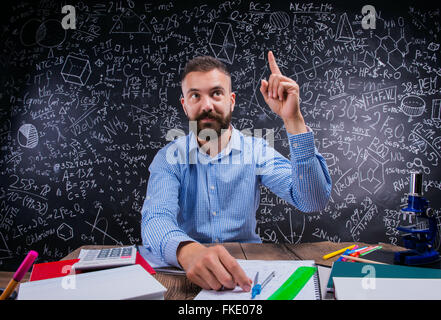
(63, 268)
(56, 269)
(141, 261)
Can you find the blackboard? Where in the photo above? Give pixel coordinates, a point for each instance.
(84, 111)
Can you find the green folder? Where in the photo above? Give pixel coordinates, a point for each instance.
(357, 269)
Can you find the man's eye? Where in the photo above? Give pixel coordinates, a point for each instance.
(217, 93)
(194, 96)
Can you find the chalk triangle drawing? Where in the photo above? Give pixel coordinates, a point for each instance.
(344, 30)
(299, 54)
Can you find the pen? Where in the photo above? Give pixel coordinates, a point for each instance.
(257, 288)
(19, 274)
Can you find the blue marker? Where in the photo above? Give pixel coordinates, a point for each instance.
(257, 288)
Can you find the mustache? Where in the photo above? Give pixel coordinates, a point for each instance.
(208, 115)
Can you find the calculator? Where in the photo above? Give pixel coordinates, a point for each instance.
(106, 258)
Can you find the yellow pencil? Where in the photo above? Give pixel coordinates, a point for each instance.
(333, 254)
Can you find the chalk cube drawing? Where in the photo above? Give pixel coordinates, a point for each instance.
(222, 42)
(76, 70)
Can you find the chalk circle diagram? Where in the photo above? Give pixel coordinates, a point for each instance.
(27, 136)
(279, 20)
(28, 32)
(50, 34)
(129, 22)
(413, 106)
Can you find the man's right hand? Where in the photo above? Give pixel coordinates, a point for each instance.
(211, 267)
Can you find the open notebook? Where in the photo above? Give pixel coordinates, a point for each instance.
(283, 270)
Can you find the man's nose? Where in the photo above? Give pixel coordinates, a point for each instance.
(207, 104)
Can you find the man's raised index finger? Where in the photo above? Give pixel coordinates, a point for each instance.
(273, 64)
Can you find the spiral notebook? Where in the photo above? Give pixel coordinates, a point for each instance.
(283, 269)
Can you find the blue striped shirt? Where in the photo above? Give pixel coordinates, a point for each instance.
(193, 197)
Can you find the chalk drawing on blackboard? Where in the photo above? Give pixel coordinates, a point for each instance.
(299, 54)
(371, 174)
(295, 232)
(344, 31)
(418, 163)
(379, 97)
(395, 59)
(222, 42)
(402, 44)
(142, 116)
(27, 136)
(65, 232)
(330, 159)
(129, 22)
(279, 20)
(4, 249)
(310, 73)
(76, 70)
(28, 32)
(368, 59)
(436, 109)
(50, 34)
(104, 232)
(413, 106)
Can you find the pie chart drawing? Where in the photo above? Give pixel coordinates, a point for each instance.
(27, 136)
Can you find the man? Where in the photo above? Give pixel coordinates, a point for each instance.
(204, 187)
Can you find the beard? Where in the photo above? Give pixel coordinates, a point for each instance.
(218, 125)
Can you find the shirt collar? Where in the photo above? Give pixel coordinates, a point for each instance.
(233, 144)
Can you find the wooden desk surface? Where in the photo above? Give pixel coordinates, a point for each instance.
(179, 288)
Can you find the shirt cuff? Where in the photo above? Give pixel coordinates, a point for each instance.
(171, 248)
(302, 145)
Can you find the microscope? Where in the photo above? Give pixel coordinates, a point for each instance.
(420, 242)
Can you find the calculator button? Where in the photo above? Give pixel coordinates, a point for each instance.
(103, 254)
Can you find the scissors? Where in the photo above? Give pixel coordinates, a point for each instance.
(257, 288)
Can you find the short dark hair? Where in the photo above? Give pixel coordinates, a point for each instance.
(204, 64)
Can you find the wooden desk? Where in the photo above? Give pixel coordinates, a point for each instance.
(179, 288)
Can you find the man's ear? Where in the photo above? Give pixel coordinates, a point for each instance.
(183, 105)
(232, 100)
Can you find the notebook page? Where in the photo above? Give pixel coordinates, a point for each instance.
(283, 270)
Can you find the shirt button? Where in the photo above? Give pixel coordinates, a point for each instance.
(295, 145)
(212, 187)
(216, 240)
(300, 177)
(214, 213)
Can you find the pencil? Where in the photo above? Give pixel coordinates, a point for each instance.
(361, 260)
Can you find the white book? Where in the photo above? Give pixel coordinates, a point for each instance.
(387, 289)
(123, 283)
